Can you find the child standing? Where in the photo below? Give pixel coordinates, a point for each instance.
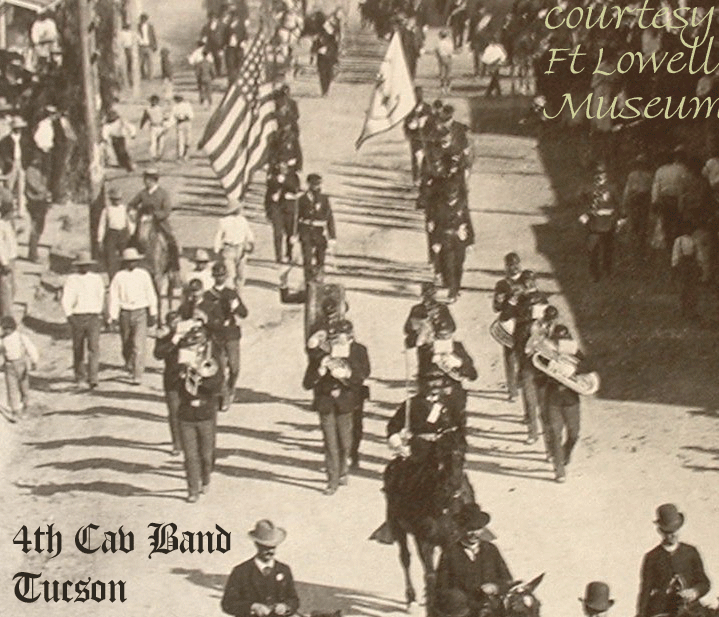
(154, 117)
(20, 355)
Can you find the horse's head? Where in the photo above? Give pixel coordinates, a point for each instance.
(520, 600)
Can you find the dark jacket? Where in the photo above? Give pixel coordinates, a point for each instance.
(167, 351)
(504, 291)
(425, 364)
(315, 213)
(156, 203)
(220, 302)
(203, 405)
(421, 418)
(457, 571)
(436, 313)
(325, 47)
(247, 585)
(659, 567)
(416, 120)
(351, 390)
(282, 194)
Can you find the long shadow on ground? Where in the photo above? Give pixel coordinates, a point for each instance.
(629, 324)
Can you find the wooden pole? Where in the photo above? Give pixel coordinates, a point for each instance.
(86, 21)
(133, 15)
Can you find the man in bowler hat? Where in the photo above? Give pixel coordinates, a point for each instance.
(672, 572)
(262, 586)
(474, 564)
(596, 602)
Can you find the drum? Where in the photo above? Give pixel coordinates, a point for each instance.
(503, 332)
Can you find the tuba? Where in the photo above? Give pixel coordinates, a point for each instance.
(562, 367)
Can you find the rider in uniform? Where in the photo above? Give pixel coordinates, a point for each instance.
(155, 200)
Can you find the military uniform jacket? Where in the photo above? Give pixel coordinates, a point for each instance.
(315, 216)
(350, 392)
(504, 290)
(167, 351)
(204, 404)
(659, 567)
(227, 303)
(457, 571)
(426, 417)
(156, 203)
(282, 192)
(450, 217)
(437, 312)
(247, 585)
(416, 120)
(466, 370)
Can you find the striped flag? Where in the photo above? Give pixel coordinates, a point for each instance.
(238, 131)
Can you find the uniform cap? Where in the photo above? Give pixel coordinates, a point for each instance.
(314, 179)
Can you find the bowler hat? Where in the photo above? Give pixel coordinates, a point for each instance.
(131, 254)
(596, 597)
(83, 258)
(472, 517)
(344, 326)
(669, 518)
(452, 603)
(219, 269)
(314, 179)
(266, 534)
(512, 259)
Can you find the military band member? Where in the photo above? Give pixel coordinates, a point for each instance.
(672, 573)
(414, 130)
(336, 375)
(167, 349)
(316, 226)
(228, 304)
(283, 190)
(423, 317)
(504, 302)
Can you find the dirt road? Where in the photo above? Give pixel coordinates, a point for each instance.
(104, 458)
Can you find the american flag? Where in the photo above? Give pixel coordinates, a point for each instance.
(238, 131)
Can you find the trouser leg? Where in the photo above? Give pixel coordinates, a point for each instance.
(206, 438)
(172, 398)
(357, 430)
(571, 421)
(529, 396)
(189, 435)
(93, 348)
(510, 370)
(12, 383)
(139, 340)
(232, 349)
(344, 440)
(126, 339)
(556, 424)
(328, 423)
(6, 292)
(594, 248)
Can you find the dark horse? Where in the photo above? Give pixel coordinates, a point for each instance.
(153, 245)
(424, 495)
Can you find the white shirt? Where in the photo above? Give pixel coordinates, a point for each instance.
(131, 290)
(126, 38)
(684, 246)
(235, 230)
(145, 34)
(196, 56)
(16, 346)
(45, 134)
(8, 243)
(17, 150)
(113, 216)
(445, 48)
(182, 111)
(83, 294)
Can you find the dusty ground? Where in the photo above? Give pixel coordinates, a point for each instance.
(104, 458)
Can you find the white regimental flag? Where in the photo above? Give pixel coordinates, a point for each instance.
(393, 96)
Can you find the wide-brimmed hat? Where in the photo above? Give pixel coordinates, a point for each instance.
(452, 603)
(201, 256)
(266, 534)
(83, 258)
(596, 597)
(131, 254)
(18, 123)
(233, 205)
(472, 517)
(669, 518)
(152, 171)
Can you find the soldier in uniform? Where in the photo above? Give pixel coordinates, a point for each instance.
(284, 146)
(423, 317)
(286, 110)
(504, 302)
(283, 189)
(155, 200)
(226, 302)
(336, 373)
(414, 126)
(316, 227)
(450, 232)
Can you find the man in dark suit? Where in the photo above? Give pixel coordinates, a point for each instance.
(672, 573)
(316, 226)
(155, 200)
(414, 130)
(262, 586)
(504, 302)
(326, 49)
(16, 151)
(424, 317)
(473, 565)
(337, 377)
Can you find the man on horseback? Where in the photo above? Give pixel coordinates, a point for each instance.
(474, 565)
(155, 201)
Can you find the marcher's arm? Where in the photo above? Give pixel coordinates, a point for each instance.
(150, 294)
(702, 581)
(69, 297)
(233, 600)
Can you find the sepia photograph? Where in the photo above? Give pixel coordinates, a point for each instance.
(359, 308)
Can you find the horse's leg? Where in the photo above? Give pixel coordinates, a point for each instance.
(404, 557)
(426, 555)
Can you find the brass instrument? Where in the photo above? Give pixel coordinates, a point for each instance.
(563, 368)
(197, 359)
(503, 331)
